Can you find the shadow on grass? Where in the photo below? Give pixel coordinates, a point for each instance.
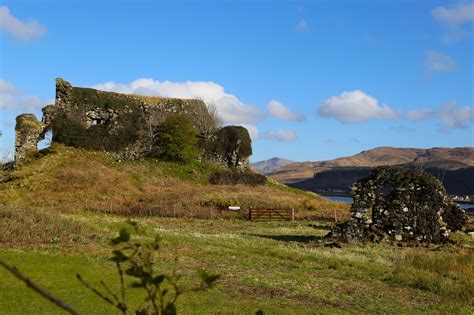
(304, 239)
(318, 226)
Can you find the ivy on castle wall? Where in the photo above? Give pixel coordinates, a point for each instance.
(123, 126)
(231, 143)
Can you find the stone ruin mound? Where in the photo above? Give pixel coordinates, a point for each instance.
(401, 206)
(127, 126)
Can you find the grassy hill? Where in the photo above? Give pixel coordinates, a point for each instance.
(60, 209)
(67, 179)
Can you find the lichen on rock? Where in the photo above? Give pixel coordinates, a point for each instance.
(400, 206)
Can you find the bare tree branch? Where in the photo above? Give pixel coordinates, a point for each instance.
(38, 289)
(119, 305)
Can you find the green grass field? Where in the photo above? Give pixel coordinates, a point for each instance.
(60, 209)
(273, 266)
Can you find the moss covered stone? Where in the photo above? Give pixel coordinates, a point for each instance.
(400, 205)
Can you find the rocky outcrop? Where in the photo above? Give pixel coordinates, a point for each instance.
(400, 206)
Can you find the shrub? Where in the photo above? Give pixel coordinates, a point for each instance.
(235, 178)
(232, 144)
(176, 139)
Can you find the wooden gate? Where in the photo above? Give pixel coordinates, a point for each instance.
(271, 214)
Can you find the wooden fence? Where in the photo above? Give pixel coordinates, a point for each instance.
(271, 214)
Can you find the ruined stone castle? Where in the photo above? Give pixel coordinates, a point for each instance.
(124, 125)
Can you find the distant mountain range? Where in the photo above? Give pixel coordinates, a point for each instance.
(453, 166)
(270, 166)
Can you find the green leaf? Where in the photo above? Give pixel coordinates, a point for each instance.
(135, 271)
(124, 236)
(158, 279)
(136, 284)
(206, 277)
(118, 256)
(170, 309)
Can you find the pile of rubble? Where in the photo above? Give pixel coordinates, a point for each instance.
(403, 206)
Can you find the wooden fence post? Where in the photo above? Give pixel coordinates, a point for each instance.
(292, 214)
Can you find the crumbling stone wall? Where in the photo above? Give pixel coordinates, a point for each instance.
(28, 132)
(123, 124)
(401, 206)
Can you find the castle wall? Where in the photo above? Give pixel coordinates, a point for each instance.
(122, 124)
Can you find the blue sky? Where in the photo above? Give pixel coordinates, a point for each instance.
(311, 80)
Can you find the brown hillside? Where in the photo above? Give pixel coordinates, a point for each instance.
(444, 158)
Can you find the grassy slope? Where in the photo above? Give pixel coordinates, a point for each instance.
(69, 179)
(48, 232)
(272, 266)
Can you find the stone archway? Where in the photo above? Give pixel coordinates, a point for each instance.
(400, 205)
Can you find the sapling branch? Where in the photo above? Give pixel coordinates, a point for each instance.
(37, 288)
(118, 305)
(122, 284)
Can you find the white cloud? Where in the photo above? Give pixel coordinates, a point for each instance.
(461, 13)
(450, 115)
(23, 31)
(252, 129)
(302, 26)
(354, 107)
(456, 20)
(12, 99)
(229, 107)
(279, 135)
(438, 62)
(7, 88)
(279, 110)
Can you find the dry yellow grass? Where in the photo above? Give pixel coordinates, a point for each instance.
(69, 179)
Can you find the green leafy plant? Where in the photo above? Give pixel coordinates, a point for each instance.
(136, 259)
(230, 140)
(176, 139)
